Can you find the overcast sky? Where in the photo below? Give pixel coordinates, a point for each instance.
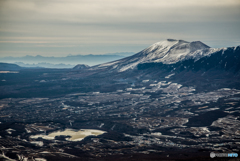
(62, 27)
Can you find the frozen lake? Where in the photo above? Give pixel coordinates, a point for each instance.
(75, 135)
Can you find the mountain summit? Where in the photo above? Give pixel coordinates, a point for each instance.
(172, 45)
(169, 51)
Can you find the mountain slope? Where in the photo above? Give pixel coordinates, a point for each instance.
(170, 51)
(222, 59)
(9, 67)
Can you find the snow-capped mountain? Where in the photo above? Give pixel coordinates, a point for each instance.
(169, 51)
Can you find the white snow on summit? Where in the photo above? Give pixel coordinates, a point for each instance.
(171, 51)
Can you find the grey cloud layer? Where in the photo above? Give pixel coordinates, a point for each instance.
(48, 26)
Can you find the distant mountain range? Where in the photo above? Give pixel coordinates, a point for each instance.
(44, 65)
(170, 54)
(64, 62)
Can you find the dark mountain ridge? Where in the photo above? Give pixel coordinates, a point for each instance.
(176, 53)
(9, 67)
(225, 59)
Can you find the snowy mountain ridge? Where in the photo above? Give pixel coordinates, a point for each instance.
(169, 51)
